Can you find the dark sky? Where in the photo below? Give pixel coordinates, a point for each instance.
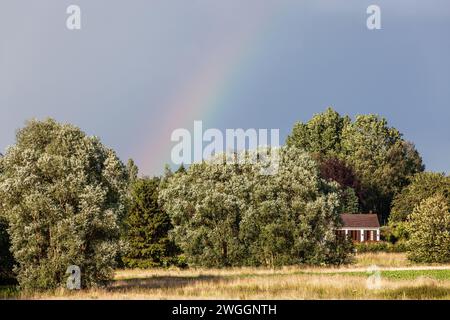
(139, 69)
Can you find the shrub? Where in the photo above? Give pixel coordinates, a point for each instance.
(423, 185)
(379, 247)
(395, 232)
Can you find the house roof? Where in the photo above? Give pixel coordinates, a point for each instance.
(361, 220)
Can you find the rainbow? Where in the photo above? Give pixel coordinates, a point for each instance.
(200, 98)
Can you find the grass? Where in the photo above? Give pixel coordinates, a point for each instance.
(399, 280)
(382, 259)
(7, 292)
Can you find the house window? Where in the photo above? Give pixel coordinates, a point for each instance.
(354, 234)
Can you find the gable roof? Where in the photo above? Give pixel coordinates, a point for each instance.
(362, 220)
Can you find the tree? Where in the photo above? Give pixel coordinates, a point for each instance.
(380, 157)
(132, 170)
(204, 205)
(228, 214)
(429, 231)
(422, 186)
(63, 195)
(321, 135)
(148, 226)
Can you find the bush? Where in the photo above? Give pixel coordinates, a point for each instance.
(379, 247)
(394, 232)
(429, 231)
(63, 195)
(423, 185)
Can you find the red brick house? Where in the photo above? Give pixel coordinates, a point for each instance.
(360, 227)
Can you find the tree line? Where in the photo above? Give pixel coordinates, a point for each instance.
(66, 199)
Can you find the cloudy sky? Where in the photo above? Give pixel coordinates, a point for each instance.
(139, 69)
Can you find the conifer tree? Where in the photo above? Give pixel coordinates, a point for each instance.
(148, 227)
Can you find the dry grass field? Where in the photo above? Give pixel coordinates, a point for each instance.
(399, 280)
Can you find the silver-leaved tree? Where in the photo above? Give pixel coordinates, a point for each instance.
(429, 231)
(63, 194)
(227, 214)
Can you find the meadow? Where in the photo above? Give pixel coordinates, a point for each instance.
(400, 279)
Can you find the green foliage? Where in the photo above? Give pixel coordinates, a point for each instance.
(147, 228)
(395, 232)
(322, 134)
(232, 215)
(381, 246)
(382, 160)
(63, 196)
(349, 201)
(422, 186)
(429, 231)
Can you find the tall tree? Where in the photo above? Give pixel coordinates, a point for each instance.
(63, 195)
(378, 154)
(352, 193)
(321, 135)
(230, 215)
(381, 158)
(148, 227)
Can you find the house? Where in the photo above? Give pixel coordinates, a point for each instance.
(360, 227)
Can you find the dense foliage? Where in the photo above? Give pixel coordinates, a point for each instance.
(231, 215)
(429, 231)
(63, 196)
(147, 226)
(67, 200)
(6, 258)
(423, 185)
(382, 160)
(352, 195)
(381, 246)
